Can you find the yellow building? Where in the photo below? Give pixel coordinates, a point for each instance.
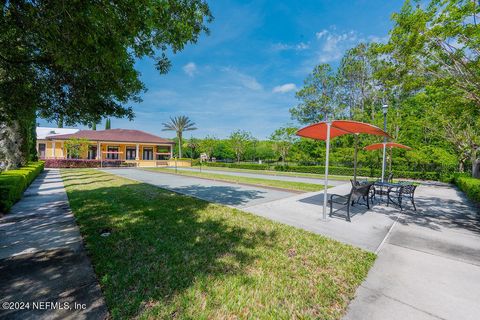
(130, 146)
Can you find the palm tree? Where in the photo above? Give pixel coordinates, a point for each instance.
(179, 125)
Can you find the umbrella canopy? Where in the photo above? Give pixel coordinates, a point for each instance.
(377, 146)
(330, 129)
(339, 128)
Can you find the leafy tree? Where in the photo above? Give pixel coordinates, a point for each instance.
(317, 97)
(283, 140)
(76, 147)
(192, 146)
(439, 41)
(207, 145)
(239, 142)
(179, 125)
(75, 60)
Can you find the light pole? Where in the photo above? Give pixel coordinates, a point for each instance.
(384, 162)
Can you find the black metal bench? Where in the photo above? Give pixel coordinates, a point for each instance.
(397, 195)
(361, 191)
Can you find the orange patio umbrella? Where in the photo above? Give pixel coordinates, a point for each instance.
(327, 130)
(383, 145)
(377, 146)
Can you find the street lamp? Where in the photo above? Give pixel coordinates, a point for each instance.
(384, 162)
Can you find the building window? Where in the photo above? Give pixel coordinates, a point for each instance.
(92, 152)
(41, 150)
(131, 153)
(147, 153)
(112, 153)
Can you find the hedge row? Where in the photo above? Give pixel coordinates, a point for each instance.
(340, 171)
(469, 185)
(252, 166)
(14, 182)
(84, 163)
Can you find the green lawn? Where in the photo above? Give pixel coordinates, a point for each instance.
(289, 185)
(279, 173)
(174, 256)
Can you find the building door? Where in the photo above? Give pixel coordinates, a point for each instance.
(131, 153)
(41, 150)
(147, 153)
(92, 152)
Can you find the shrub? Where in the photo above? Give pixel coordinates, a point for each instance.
(252, 166)
(14, 182)
(469, 185)
(339, 171)
(84, 163)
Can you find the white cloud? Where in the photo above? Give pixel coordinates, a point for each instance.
(284, 46)
(322, 33)
(284, 88)
(190, 69)
(332, 44)
(245, 80)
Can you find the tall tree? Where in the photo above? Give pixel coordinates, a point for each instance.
(179, 125)
(317, 97)
(439, 40)
(76, 59)
(207, 145)
(239, 141)
(108, 124)
(283, 140)
(358, 90)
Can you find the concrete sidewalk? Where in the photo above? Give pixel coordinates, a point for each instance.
(42, 258)
(429, 265)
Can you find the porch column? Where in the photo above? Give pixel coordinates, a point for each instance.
(53, 149)
(99, 151)
(63, 155)
(171, 151)
(137, 152)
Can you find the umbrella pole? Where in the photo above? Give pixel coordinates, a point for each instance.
(384, 159)
(355, 159)
(326, 172)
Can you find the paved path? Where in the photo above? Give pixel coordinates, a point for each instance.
(429, 266)
(231, 194)
(42, 257)
(267, 176)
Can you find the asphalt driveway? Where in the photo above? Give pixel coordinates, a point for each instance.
(230, 194)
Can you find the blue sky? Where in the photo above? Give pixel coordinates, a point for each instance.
(245, 73)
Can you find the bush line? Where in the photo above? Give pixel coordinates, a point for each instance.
(341, 171)
(14, 182)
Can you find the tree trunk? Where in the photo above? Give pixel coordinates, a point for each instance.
(179, 144)
(11, 142)
(476, 168)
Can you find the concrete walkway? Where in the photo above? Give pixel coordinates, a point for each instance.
(42, 258)
(259, 175)
(429, 265)
(230, 194)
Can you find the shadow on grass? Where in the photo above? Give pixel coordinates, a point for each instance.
(160, 244)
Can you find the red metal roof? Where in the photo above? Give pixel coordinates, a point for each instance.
(339, 128)
(377, 146)
(114, 135)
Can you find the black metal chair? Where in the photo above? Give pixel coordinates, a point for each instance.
(406, 192)
(371, 194)
(357, 192)
(390, 177)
